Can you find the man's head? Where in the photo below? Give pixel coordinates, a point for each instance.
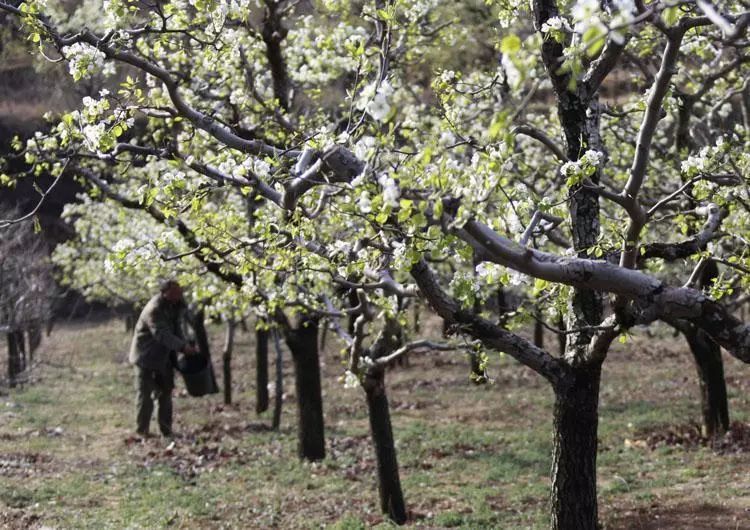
(171, 291)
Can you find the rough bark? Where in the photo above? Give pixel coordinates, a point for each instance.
(389, 485)
(303, 343)
(573, 503)
(261, 370)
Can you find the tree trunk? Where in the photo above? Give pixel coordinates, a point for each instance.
(707, 354)
(279, 390)
(574, 505)
(261, 370)
(201, 338)
(227, 362)
(130, 320)
(303, 343)
(561, 339)
(389, 484)
(323, 337)
(13, 360)
(21, 349)
(538, 332)
(353, 302)
(35, 339)
(714, 405)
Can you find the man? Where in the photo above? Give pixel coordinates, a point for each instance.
(158, 333)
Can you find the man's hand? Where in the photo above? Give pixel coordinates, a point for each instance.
(189, 349)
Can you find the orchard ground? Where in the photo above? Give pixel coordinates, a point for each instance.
(470, 457)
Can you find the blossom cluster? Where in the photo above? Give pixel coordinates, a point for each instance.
(697, 164)
(85, 61)
(577, 170)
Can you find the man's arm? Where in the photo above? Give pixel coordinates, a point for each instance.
(162, 332)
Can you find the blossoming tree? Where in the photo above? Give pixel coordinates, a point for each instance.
(372, 158)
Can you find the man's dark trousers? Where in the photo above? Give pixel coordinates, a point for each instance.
(149, 384)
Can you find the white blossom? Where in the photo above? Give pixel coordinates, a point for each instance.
(379, 106)
(84, 60)
(555, 24)
(93, 135)
(350, 380)
(391, 193)
(364, 204)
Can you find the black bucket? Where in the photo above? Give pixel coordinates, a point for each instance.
(198, 375)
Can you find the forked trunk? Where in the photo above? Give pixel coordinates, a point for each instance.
(303, 343)
(573, 502)
(389, 484)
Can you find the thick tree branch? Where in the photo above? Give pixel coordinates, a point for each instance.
(603, 65)
(651, 118)
(491, 335)
(536, 134)
(273, 34)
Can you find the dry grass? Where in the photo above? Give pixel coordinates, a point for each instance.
(471, 457)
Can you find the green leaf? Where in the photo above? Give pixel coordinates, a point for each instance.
(382, 217)
(511, 44)
(671, 15)
(384, 15)
(594, 39)
(498, 126)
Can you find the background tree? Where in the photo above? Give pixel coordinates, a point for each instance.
(27, 293)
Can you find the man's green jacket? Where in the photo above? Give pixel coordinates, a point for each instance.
(157, 333)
